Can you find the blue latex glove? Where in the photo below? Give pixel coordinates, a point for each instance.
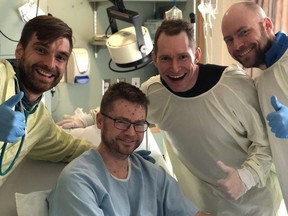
(278, 120)
(12, 123)
(146, 155)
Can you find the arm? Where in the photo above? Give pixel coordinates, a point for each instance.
(247, 121)
(73, 196)
(49, 141)
(79, 119)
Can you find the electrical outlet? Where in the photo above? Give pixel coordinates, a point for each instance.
(121, 79)
(136, 81)
(106, 83)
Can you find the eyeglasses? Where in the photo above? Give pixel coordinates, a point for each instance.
(125, 125)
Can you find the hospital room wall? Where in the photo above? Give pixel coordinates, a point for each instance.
(79, 15)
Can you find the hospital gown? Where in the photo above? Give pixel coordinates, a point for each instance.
(44, 140)
(221, 124)
(274, 81)
(85, 187)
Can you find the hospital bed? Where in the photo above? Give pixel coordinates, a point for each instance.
(31, 180)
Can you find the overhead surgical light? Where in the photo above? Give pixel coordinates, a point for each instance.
(130, 47)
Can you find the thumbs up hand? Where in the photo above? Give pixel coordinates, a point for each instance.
(278, 120)
(12, 123)
(231, 186)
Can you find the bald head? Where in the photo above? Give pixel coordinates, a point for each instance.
(243, 11)
(248, 33)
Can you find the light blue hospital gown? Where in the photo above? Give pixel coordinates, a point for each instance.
(85, 187)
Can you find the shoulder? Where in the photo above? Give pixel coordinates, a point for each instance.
(151, 82)
(147, 167)
(82, 170)
(236, 76)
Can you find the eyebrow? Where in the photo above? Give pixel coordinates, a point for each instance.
(39, 43)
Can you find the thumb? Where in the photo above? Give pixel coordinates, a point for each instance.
(226, 169)
(11, 102)
(275, 103)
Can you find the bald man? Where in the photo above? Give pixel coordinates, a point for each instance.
(248, 34)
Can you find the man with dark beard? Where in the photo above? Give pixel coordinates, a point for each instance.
(251, 41)
(42, 55)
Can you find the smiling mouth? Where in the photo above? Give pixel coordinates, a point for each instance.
(44, 73)
(176, 77)
(245, 52)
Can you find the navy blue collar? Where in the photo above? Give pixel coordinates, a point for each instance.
(278, 48)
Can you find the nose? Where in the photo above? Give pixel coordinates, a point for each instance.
(50, 61)
(237, 43)
(175, 65)
(131, 131)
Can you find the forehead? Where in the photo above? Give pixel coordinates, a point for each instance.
(237, 18)
(125, 108)
(175, 43)
(60, 44)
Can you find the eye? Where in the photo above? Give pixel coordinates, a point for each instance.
(244, 32)
(228, 41)
(139, 124)
(40, 50)
(62, 58)
(164, 59)
(122, 122)
(183, 57)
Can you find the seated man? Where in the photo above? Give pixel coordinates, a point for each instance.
(112, 180)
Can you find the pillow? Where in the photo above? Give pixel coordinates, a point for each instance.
(32, 203)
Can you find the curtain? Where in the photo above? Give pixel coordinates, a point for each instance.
(277, 10)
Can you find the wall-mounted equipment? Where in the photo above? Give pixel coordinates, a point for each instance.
(30, 10)
(134, 41)
(78, 66)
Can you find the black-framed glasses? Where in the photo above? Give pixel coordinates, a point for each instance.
(125, 125)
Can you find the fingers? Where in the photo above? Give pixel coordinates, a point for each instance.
(275, 103)
(226, 169)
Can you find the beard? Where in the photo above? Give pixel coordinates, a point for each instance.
(260, 51)
(114, 146)
(29, 77)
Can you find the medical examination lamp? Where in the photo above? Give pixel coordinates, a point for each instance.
(129, 47)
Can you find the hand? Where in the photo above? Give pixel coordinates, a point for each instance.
(71, 122)
(278, 120)
(146, 155)
(12, 123)
(231, 186)
(79, 120)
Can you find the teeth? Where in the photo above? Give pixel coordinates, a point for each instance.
(244, 53)
(176, 77)
(44, 73)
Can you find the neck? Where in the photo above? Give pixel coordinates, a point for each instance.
(117, 166)
(31, 96)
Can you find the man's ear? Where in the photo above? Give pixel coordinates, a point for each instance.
(99, 120)
(197, 55)
(154, 58)
(19, 51)
(268, 24)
